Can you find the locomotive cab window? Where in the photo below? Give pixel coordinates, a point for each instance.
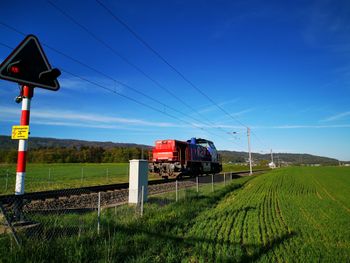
(212, 145)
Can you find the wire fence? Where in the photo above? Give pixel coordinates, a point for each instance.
(27, 219)
(180, 189)
(49, 177)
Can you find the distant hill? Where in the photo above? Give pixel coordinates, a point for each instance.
(227, 156)
(279, 158)
(37, 142)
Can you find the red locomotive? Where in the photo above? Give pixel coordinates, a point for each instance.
(176, 158)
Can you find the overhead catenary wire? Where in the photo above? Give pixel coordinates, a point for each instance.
(127, 97)
(130, 63)
(260, 141)
(137, 36)
(114, 91)
(4, 45)
(136, 101)
(162, 58)
(111, 78)
(121, 56)
(89, 67)
(148, 46)
(126, 60)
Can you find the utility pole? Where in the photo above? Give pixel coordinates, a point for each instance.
(250, 154)
(271, 156)
(249, 151)
(272, 165)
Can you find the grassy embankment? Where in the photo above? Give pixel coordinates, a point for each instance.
(288, 215)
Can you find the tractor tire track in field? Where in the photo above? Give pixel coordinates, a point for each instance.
(318, 195)
(285, 247)
(280, 215)
(331, 196)
(272, 223)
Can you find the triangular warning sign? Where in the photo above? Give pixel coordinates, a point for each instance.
(28, 65)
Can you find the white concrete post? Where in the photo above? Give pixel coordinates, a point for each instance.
(138, 177)
(197, 181)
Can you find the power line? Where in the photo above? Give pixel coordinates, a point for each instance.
(133, 65)
(128, 97)
(126, 60)
(130, 63)
(135, 101)
(261, 142)
(107, 76)
(155, 52)
(148, 46)
(141, 103)
(3, 44)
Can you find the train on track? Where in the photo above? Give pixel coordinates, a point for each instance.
(173, 158)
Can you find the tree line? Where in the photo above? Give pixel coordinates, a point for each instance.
(84, 154)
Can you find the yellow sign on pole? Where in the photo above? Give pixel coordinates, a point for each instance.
(20, 132)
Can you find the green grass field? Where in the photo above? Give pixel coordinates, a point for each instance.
(237, 168)
(294, 214)
(41, 177)
(298, 214)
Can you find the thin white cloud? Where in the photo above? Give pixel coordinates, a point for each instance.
(336, 117)
(284, 127)
(77, 84)
(11, 114)
(67, 115)
(239, 113)
(71, 83)
(214, 107)
(84, 125)
(73, 119)
(287, 126)
(302, 126)
(235, 114)
(61, 117)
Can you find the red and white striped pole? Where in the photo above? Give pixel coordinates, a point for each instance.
(27, 94)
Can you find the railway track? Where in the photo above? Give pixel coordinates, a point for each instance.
(86, 197)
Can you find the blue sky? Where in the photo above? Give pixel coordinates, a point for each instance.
(279, 67)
